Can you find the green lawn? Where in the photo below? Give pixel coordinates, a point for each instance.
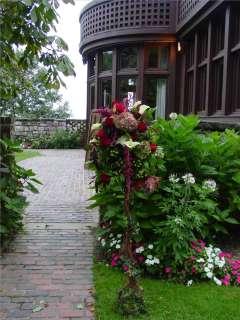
(168, 301)
(26, 154)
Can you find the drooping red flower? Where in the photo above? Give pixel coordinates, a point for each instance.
(105, 141)
(109, 122)
(104, 178)
(118, 107)
(101, 134)
(139, 184)
(153, 147)
(142, 127)
(168, 270)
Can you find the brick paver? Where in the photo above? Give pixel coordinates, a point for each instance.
(49, 265)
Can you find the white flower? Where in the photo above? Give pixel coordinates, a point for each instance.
(156, 260)
(209, 274)
(99, 238)
(217, 281)
(173, 116)
(173, 178)
(96, 126)
(94, 140)
(200, 260)
(149, 256)
(188, 178)
(103, 243)
(150, 246)
(210, 185)
(178, 220)
(118, 246)
(143, 108)
(140, 250)
(189, 283)
(111, 235)
(148, 262)
(206, 269)
(210, 266)
(126, 141)
(137, 104)
(119, 236)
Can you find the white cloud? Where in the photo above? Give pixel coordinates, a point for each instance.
(69, 29)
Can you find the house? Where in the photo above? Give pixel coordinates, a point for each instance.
(180, 56)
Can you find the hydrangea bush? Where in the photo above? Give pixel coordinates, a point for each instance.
(157, 195)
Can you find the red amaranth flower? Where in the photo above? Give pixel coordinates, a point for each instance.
(139, 184)
(109, 122)
(104, 178)
(142, 127)
(105, 141)
(118, 107)
(153, 147)
(101, 134)
(168, 270)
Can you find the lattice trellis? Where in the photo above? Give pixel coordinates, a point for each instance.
(185, 7)
(120, 14)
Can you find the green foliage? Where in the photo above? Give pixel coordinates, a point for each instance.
(25, 40)
(35, 99)
(59, 139)
(130, 302)
(14, 179)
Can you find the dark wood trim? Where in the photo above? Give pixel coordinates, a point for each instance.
(236, 48)
(190, 69)
(203, 63)
(126, 72)
(141, 61)
(219, 55)
(208, 80)
(226, 51)
(114, 75)
(195, 71)
(156, 72)
(183, 82)
(96, 80)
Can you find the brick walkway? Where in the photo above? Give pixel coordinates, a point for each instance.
(49, 266)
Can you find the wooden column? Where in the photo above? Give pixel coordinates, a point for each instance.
(171, 80)
(195, 73)
(208, 83)
(226, 52)
(140, 80)
(182, 82)
(114, 75)
(96, 80)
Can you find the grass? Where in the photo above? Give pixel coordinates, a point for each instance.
(167, 301)
(26, 154)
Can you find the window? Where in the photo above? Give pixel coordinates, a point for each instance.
(92, 95)
(157, 57)
(127, 90)
(106, 92)
(128, 58)
(106, 61)
(152, 58)
(218, 32)
(217, 83)
(92, 65)
(201, 88)
(155, 95)
(203, 45)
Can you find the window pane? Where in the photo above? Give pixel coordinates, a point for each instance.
(92, 95)
(106, 93)
(152, 58)
(92, 65)
(155, 95)
(164, 54)
(128, 58)
(127, 90)
(106, 64)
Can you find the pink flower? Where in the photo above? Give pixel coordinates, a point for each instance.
(238, 280)
(226, 280)
(125, 268)
(113, 263)
(225, 255)
(168, 270)
(152, 183)
(140, 259)
(194, 270)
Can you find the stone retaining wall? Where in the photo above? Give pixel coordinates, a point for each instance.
(25, 129)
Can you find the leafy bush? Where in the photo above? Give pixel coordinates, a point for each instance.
(59, 139)
(14, 179)
(184, 186)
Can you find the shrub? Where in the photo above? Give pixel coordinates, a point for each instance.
(14, 179)
(59, 139)
(184, 186)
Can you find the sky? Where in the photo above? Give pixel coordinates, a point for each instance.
(69, 29)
